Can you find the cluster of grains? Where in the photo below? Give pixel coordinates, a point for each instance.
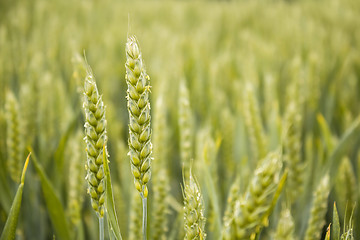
(318, 210)
(96, 139)
(185, 127)
(251, 210)
(76, 180)
(228, 232)
(346, 187)
(254, 124)
(285, 227)
(14, 139)
(139, 113)
(292, 148)
(160, 176)
(194, 224)
(135, 223)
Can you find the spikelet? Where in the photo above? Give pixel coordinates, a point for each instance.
(194, 224)
(228, 228)
(76, 179)
(318, 210)
(139, 114)
(14, 139)
(135, 226)
(160, 176)
(254, 124)
(346, 187)
(292, 148)
(251, 210)
(185, 127)
(95, 138)
(285, 227)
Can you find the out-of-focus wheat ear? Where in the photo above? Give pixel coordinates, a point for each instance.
(258, 199)
(95, 139)
(285, 227)
(139, 114)
(253, 123)
(194, 220)
(14, 138)
(185, 127)
(135, 223)
(228, 226)
(292, 151)
(76, 179)
(161, 188)
(318, 210)
(346, 187)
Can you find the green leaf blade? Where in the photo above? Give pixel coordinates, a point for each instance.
(12, 220)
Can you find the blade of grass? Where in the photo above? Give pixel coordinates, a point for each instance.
(53, 203)
(336, 224)
(11, 222)
(109, 201)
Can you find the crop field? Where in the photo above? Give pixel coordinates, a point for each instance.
(180, 120)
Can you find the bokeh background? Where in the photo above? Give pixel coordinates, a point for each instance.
(302, 51)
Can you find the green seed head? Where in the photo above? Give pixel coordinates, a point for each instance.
(139, 113)
(96, 139)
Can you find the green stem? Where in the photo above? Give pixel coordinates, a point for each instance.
(101, 228)
(144, 202)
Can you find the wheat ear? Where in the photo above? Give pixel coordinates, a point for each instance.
(14, 139)
(193, 210)
(285, 227)
(251, 210)
(318, 210)
(139, 127)
(95, 138)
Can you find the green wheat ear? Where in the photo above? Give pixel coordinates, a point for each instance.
(95, 138)
(318, 210)
(250, 211)
(193, 210)
(139, 113)
(14, 141)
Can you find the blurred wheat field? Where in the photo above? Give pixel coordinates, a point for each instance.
(260, 98)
